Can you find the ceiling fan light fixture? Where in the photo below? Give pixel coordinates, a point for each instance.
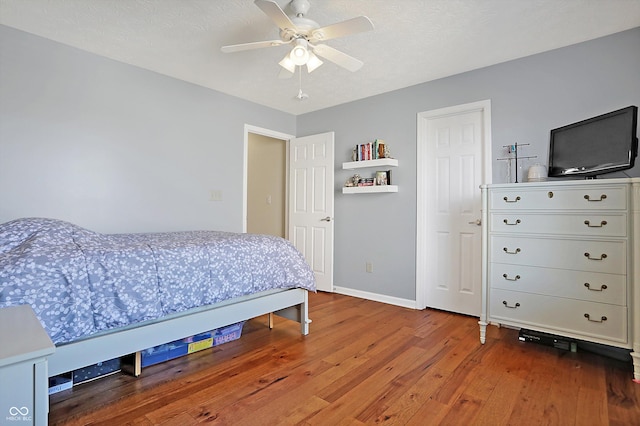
(313, 62)
(288, 64)
(299, 54)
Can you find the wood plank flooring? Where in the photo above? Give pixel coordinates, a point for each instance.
(364, 363)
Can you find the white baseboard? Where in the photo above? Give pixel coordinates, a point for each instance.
(405, 303)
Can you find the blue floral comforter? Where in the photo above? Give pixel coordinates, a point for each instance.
(81, 282)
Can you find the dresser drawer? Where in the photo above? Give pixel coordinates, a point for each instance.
(584, 255)
(583, 224)
(589, 286)
(605, 197)
(589, 319)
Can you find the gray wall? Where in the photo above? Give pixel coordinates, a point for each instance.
(115, 148)
(529, 97)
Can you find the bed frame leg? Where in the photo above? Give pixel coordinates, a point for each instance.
(298, 312)
(132, 364)
(304, 315)
(270, 321)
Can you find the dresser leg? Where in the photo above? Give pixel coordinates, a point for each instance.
(636, 366)
(483, 331)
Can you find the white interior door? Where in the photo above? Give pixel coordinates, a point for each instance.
(453, 161)
(311, 169)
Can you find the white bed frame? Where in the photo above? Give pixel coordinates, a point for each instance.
(291, 304)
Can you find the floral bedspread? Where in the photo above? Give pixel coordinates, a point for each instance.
(81, 282)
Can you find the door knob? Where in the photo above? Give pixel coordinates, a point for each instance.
(476, 222)
(326, 219)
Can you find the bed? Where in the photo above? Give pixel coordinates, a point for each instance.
(102, 296)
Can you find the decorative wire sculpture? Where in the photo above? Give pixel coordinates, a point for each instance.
(513, 149)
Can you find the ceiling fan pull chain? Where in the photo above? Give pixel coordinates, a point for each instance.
(301, 95)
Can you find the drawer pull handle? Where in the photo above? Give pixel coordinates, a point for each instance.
(602, 318)
(516, 278)
(602, 287)
(602, 223)
(602, 198)
(507, 200)
(517, 305)
(506, 222)
(602, 256)
(506, 250)
(550, 194)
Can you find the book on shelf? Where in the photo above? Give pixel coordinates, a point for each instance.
(366, 182)
(369, 151)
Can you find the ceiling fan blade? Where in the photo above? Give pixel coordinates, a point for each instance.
(277, 15)
(254, 45)
(337, 57)
(344, 28)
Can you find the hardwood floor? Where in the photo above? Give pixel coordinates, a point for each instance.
(365, 363)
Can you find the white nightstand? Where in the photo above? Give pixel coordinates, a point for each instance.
(24, 398)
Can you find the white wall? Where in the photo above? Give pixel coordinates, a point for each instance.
(115, 148)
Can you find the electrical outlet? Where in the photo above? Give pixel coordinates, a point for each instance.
(369, 267)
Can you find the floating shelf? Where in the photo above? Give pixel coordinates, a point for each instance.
(391, 162)
(369, 189)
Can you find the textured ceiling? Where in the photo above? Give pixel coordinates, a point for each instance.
(414, 41)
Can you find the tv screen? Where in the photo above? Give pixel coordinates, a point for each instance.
(598, 145)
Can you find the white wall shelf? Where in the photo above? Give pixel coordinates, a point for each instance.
(351, 165)
(369, 189)
(381, 162)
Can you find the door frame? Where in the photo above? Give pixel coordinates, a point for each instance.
(423, 197)
(249, 129)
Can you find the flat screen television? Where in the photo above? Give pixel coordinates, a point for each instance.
(603, 144)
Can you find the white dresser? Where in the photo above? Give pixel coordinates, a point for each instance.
(563, 257)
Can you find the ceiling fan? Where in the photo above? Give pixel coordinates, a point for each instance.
(306, 37)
